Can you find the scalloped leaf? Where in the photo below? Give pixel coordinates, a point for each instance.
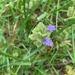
(38, 34)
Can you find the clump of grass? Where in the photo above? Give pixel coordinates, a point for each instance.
(18, 53)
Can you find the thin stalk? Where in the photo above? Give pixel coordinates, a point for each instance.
(24, 8)
(73, 42)
(8, 66)
(57, 73)
(67, 24)
(57, 13)
(61, 7)
(29, 57)
(49, 3)
(26, 20)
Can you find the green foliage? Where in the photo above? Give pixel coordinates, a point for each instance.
(42, 16)
(73, 2)
(2, 58)
(2, 7)
(30, 4)
(71, 14)
(2, 39)
(38, 34)
(70, 70)
(71, 11)
(17, 53)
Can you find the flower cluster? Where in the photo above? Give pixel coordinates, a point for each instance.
(47, 41)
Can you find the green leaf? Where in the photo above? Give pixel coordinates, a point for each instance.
(38, 34)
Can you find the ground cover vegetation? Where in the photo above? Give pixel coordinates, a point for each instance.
(37, 37)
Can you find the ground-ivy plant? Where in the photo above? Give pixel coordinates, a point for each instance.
(38, 34)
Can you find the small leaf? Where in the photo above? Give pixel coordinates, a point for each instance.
(38, 34)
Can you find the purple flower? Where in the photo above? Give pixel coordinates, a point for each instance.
(51, 28)
(47, 42)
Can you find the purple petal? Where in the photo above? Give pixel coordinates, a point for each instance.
(51, 28)
(47, 42)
